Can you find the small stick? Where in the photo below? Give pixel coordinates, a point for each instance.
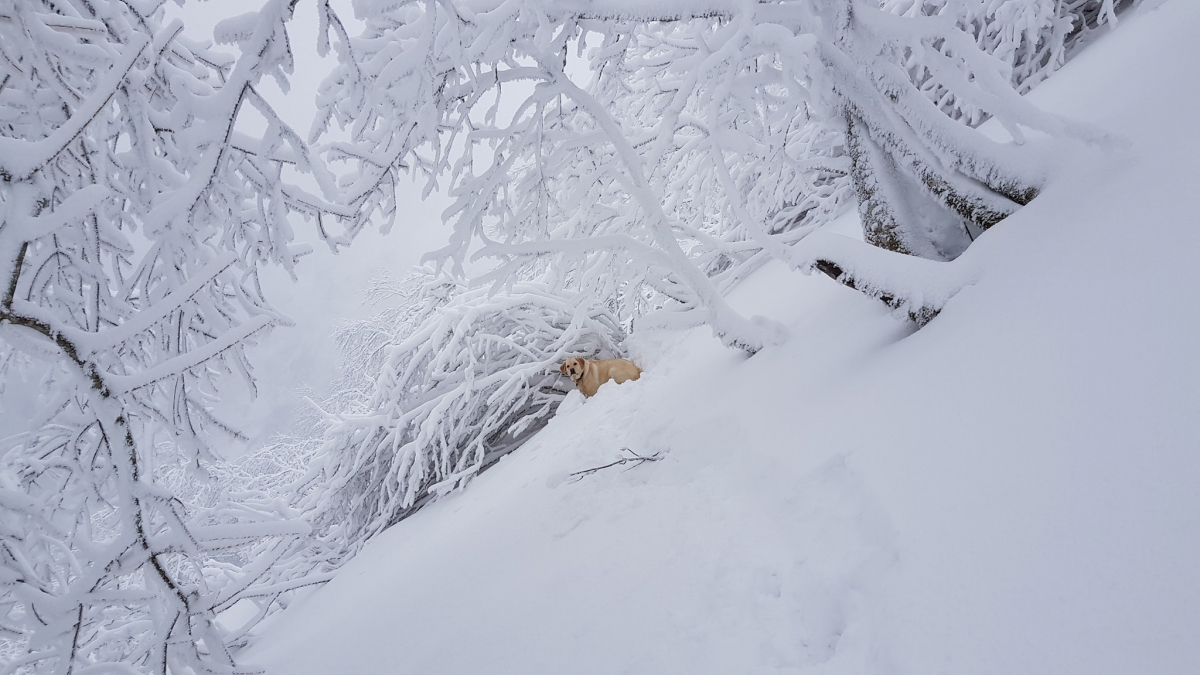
(635, 459)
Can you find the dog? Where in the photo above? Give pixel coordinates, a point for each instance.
(589, 375)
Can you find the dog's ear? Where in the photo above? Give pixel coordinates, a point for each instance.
(563, 368)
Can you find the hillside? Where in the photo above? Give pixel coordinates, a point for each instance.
(1012, 489)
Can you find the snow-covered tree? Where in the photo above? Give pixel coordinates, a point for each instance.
(135, 212)
(643, 151)
(1032, 37)
(909, 89)
(433, 390)
(460, 378)
(561, 177)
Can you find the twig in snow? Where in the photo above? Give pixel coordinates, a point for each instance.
(633, 458)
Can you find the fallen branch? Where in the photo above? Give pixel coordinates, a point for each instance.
(918, 315)
(633, 458)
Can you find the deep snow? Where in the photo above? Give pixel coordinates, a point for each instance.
(1014, 489)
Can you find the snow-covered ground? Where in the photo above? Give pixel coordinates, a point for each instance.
(1014, 489)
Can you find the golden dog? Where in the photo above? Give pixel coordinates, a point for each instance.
(589, 375)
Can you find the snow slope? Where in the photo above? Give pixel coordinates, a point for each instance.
(1014, 489)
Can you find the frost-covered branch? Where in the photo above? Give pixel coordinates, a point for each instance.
(568, 162)
(459, 382)
(713, 134)
(134, 217)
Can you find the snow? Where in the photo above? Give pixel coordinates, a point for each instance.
(19, 159)
(1011, 489)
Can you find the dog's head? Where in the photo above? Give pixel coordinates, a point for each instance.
(573, 368)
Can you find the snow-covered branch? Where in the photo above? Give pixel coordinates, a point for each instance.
(715, 134)
(134, 217)
(469, 377)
